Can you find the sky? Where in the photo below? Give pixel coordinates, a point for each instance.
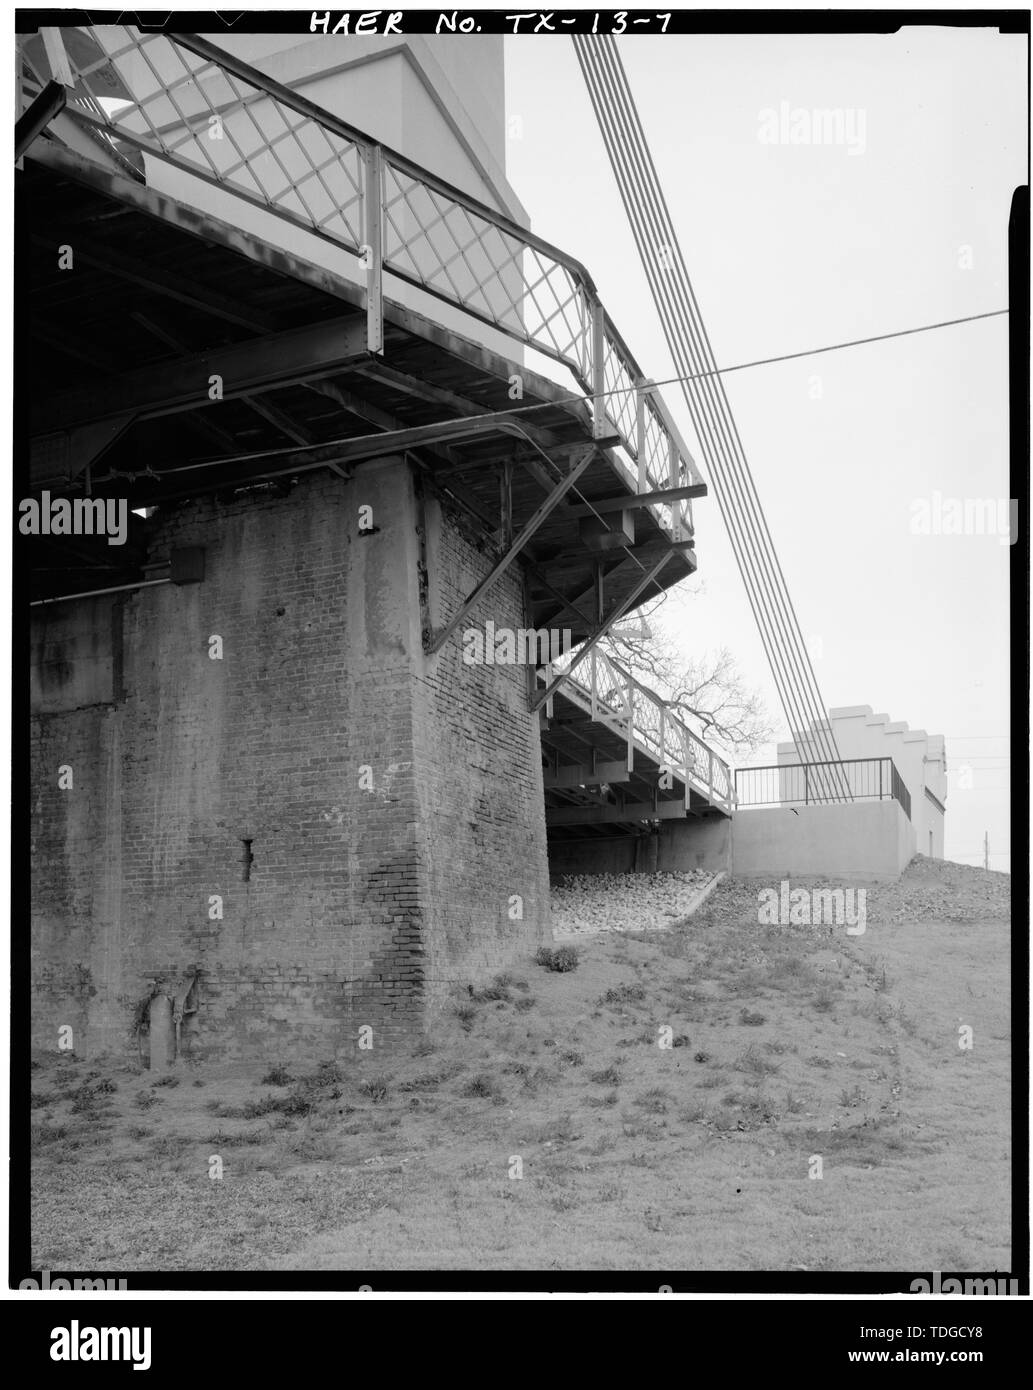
(792, 246)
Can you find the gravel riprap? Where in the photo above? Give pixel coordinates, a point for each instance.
(929, 890)
(587, 903)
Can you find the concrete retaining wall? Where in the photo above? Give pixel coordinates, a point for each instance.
(865, 840)
(870, 840)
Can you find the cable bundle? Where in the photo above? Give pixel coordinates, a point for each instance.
(703, 389)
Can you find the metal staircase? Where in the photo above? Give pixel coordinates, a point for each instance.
(617, 754)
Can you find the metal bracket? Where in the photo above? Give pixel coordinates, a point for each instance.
(600, 632)
(597, 328)
(372, 205)
(506, 502)
(530, 527)
(49, 103)
(553, 592)
(54, 47)
(60, 458)
(633, 501)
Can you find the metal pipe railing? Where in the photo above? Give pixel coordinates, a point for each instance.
(822, 783)
(613, 696)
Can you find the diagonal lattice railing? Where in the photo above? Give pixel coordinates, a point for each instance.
(179, 99)
(153, 92)
(611, 696)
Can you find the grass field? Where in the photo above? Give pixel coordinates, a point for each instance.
(789, 1044)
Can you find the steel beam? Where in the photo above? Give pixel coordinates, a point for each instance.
(59, 458)
(628, 558)
(538, 440)
(506, 503)
(538, 389)
(601, 631)
(383, 419)
(598, 534)
(464, 406)
(356, 405)
(451, 400)
(640, 438)
(583, 775)
(62, 340)
(543, 583)
(272, 414)
(598, 342)
(179, 217)
(373, 250)
(530, 465)
(34, 121)
(571, 734)
(638, 499)
(527, 531)
(259, 364)
(280, 420)
(54, 47)
(630, 811)
(371, 446)
(176, 286)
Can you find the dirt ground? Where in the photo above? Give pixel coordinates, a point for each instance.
(547, 1127)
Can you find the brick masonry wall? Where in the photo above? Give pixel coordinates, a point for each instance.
(367, 889)
(480, 790)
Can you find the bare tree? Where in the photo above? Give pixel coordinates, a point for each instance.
(707, 690)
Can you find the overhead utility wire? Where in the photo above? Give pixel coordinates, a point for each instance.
(858, 342)
(577, 398)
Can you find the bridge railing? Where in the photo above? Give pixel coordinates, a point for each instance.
(610, 695)
(182, 100)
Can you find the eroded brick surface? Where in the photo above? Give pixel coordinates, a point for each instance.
(360, 905)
